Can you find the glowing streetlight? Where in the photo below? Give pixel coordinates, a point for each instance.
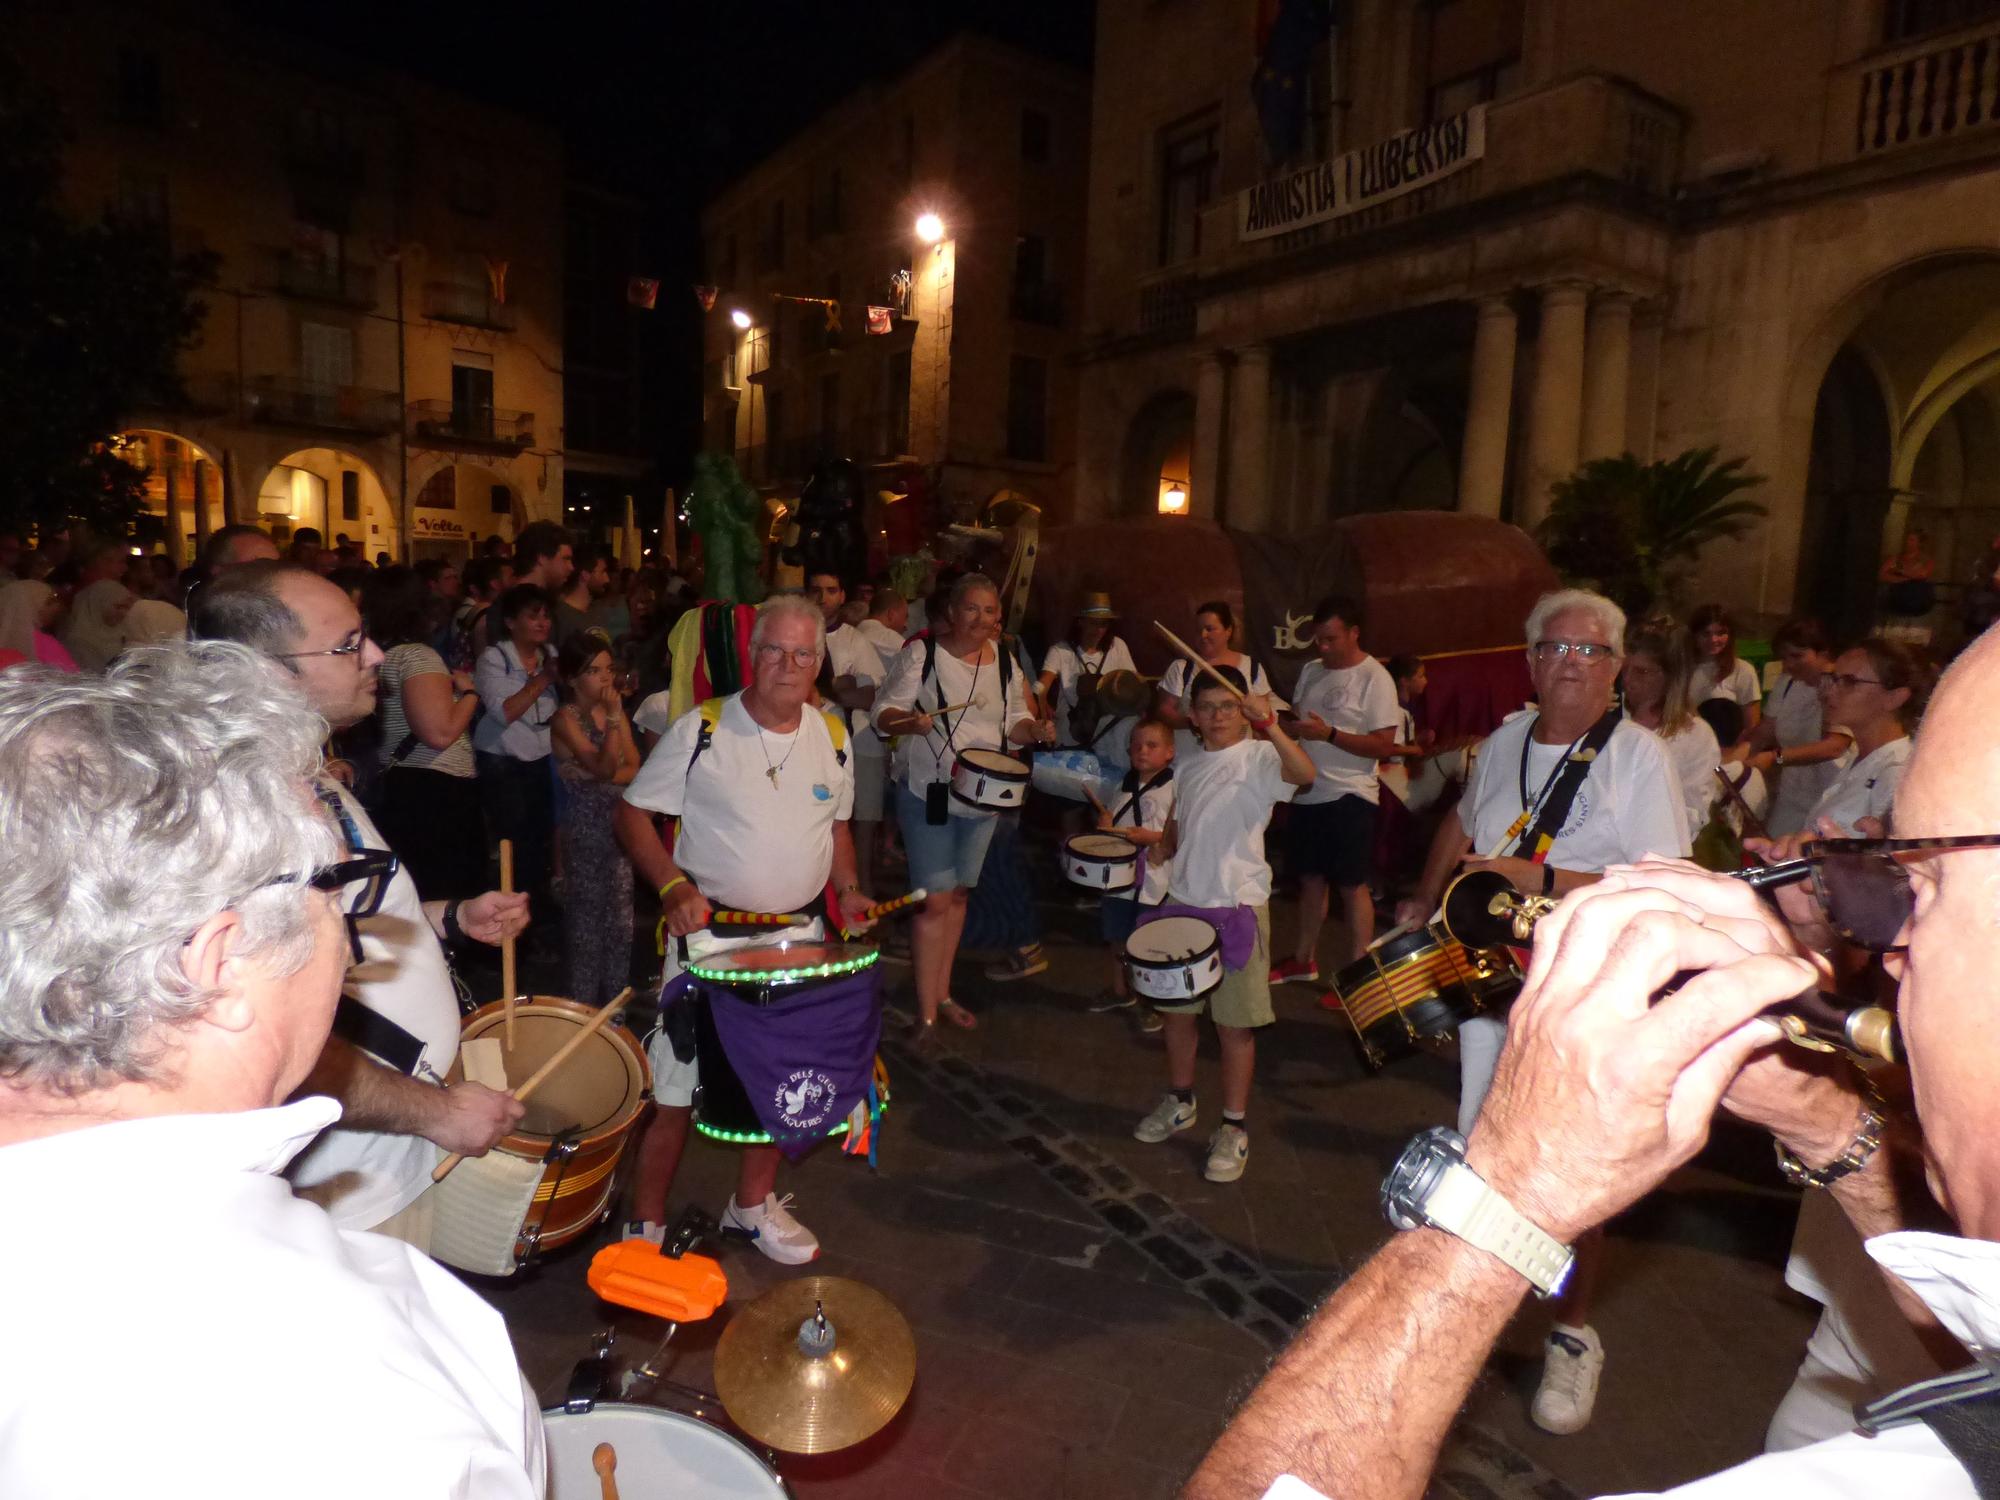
(739, 317)
(930, 228)
(1174, 499)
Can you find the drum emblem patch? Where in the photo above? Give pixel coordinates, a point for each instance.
(805, 1099)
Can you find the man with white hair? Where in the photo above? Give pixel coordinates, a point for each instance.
(1561, 790)
(763, 790)
(170, 956)
(395, 1035)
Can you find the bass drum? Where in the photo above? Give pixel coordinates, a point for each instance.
(1417, 987)
(660, 1453)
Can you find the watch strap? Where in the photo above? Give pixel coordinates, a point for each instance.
(1462, 1204)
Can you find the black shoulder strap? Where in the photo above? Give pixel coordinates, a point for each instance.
(1961, 1409)
(1538, 836)
(1165, 775)
(377, 1035)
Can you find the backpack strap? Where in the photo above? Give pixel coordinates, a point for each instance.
(836, 728)
(710, 710)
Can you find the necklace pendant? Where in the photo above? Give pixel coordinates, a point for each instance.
(772, 772)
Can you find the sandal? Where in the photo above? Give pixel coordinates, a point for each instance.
(958, 1015)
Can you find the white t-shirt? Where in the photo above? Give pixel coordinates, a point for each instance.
(362, 1177)
(1694, 754)
(747, 843)
(882, 637)
(1070, 663)
(1222, 804)
(1149, 809)
(1174, 682)
(1359, 699)
(1740, 686)
(923, 759)
(849, 653)
(1797, 715)
(1629, 805)
(1864, 789)
(295, 1357)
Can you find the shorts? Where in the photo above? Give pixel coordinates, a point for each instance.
(942, 858)
(1118, 916)
(1333, 840)
(871, 780)
(1243, 999)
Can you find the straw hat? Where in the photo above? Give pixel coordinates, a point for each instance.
(1122, 692)
(1096, 607)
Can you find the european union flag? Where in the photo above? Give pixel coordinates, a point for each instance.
(1287, 33)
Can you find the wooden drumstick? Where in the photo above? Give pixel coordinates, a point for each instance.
(604, 1459)
(507, 943)
(1195, 657)
(1093, 800)
(540, 1076)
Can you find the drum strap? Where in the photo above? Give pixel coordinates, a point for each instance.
(1550, 809)
(378, 1036)
(1138, 792)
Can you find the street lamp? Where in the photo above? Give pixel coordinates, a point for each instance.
(1173, 499)
(739, 317)
(930, 228)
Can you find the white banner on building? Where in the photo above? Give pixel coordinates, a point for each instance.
(1360, 179)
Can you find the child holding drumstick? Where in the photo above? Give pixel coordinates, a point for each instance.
(1136, 807)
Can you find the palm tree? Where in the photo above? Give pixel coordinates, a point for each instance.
(1634, 530)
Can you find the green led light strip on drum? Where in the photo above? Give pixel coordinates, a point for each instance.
(734, 977)
(763, 1137)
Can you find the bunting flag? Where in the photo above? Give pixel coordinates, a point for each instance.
(1287, 33)
(496, 279)
(705, 295)
(878, 320)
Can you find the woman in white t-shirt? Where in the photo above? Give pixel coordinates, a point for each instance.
(945, 838)
(1214, 627)
(1796, 742)
(1656, 680)
(1718, 672)
(1876, 689)
(1093, 649)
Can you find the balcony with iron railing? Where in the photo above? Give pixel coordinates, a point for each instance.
(342, 281)
(464, 303)
(208, 394)
(1923, 92)
(873, 438)
(280, 401)
(443, 424)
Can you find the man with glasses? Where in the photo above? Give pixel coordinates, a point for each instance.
(1561, 790)
(395, 1035)
(171, 954)
(763, 795)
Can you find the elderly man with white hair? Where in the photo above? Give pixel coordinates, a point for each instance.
(763, 785)
(1562, 789)
(171, 951)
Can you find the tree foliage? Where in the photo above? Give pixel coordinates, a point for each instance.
(1633, 531)
(93, 318)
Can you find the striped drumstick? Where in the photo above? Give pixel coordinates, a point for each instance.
(757, 919)
(889, 908)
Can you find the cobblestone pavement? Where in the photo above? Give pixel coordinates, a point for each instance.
(1088, 1309)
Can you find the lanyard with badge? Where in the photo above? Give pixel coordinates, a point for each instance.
(1534, 831)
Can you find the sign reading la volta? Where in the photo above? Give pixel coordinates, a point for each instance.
(1360, 179)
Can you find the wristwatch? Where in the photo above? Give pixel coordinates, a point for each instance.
(1431, 1185)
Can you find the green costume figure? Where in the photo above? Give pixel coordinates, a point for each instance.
(723, 511)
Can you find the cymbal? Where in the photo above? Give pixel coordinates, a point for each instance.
(802, 1385)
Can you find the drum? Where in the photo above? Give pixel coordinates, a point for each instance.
(1172, 960)
(1102, 861)
(1065, 773)
(660, 1453)
(551, 1179)
(988, 779)
(1417, 986)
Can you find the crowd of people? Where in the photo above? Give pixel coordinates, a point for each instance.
(322, 758)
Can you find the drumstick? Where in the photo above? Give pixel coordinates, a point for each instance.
(758, 919)
(1087, 792)
(895, 904)
(604, 1459)
(1195, 657)
(507, 943)
(950, 708)
(540, 1076)
(1752, 824)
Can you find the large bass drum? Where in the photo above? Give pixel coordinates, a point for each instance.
(1417, 987)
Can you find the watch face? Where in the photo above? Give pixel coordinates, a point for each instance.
(1408, 1186)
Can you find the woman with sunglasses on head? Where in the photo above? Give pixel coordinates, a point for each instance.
(1656, 681)
(1718, 671)
(1877, 691)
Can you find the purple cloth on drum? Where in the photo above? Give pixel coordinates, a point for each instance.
(806, 1059)
(1235, 927)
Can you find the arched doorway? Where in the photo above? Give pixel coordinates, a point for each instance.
(1847, 496)
(1410, 442)
(336, 493)
(457, 507)
(1158, 457)
(183, 489)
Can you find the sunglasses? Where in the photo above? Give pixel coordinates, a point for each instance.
(371, 872)
(1862, 886)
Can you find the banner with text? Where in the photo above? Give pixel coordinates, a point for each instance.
(1360, 179)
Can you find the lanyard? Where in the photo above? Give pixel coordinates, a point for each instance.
(1529, 809)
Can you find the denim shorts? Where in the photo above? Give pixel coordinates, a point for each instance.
(1118, 916)
(946, 857)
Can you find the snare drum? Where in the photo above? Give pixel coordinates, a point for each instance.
(987, 779)
(660, 1453)
(1173, 960)
(1102, 861)
(1065, 773)
(1418, 987)
(550, 1180)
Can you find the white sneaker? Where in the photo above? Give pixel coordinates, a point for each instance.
(772, 1229)
(645, 1229)
(1168, 1116)
(1572, 1361)
(1228, 1153)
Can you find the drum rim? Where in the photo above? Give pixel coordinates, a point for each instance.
(1014, 769)
(865, 956)
(1126, 853)
(550, 1413)
(1200, 955)
(533, 1146)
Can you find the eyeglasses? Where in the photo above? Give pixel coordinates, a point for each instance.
(372, 872)
(1862, 886)
(1222, 706)
(1847, 680)
(801, 656)
(1590, 651)
(352, 648)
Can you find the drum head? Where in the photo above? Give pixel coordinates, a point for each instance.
(659, 1453)
(994, 763)
(785, 963)
(1170, 939)
(1102, 846)
(600, 1088)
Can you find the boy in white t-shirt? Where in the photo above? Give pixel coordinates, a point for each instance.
(1136, 806)
(1223, 796)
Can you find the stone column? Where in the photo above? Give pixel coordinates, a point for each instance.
(1642, 396)
(1247, 497)
(1482, 468)
(202, 523)
(1555, 411)
(172, 475)
(1211, 392)
(1607, 367)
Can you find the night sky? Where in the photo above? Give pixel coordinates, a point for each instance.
(639, 93)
